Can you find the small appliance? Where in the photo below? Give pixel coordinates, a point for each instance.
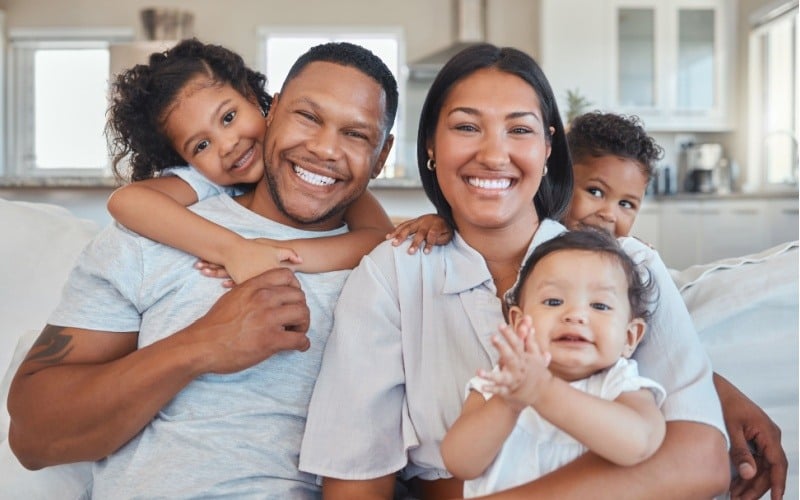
(703, 162)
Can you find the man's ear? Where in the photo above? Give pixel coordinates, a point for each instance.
(271, 112)
(387, 147)
(634, 335)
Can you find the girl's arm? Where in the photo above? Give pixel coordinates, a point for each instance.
(156, 208)
(430, 229)
(477, 436)
(368, 225)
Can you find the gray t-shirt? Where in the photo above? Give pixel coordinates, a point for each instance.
(234, 435)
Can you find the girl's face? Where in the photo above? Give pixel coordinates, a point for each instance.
(218, 131)
(607, 193)
(578, 300)
(490, 148)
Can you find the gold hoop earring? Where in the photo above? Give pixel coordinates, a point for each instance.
(431, 164)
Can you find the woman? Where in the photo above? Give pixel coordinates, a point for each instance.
(493, 160)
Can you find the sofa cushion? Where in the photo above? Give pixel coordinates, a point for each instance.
(40, 243)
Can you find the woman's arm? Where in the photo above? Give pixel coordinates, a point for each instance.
(156, 208)
(476, 437)
(691, 463)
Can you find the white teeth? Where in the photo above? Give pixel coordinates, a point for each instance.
(244, 159)
(312, 178)
(489, 183)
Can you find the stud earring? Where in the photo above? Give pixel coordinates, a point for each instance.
(431, 164)
(545, 170)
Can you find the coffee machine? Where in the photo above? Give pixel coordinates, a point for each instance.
(704, 163)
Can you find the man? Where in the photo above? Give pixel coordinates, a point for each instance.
(218, 407)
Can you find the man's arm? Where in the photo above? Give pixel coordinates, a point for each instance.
(764, 467)
(691, 463)
(80, 394)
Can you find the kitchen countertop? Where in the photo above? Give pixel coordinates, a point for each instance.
(400, 184)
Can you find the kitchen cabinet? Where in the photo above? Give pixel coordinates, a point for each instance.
(647, 227)
(704, 230)
(671, 62)
(783, 221)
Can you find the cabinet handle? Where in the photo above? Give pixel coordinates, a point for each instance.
(699, 211)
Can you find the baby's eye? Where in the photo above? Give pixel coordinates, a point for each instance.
(552, 302)
(600, 306)
(597, 193)
(200, 146)
(228, 117)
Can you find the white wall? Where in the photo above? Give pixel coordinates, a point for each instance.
(428, 25)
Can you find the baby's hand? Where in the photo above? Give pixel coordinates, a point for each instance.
(522, 370)
(430, 228)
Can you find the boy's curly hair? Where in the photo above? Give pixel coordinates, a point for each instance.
(141, 96)
(598, 134)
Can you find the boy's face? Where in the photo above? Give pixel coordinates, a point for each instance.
(578, 300)
(218, 131)
(325, 141)
(608, 193)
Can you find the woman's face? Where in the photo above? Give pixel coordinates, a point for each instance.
(490, 149)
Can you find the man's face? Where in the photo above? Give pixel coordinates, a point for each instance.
(324, 143)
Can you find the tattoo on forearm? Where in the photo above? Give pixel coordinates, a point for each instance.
(51, 347)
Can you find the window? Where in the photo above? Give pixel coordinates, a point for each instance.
(773, 98)
(58, 100)
(280, 48)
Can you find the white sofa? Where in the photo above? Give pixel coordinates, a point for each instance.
(746, 311)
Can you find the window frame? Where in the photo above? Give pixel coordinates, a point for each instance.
(20, 112)
(347, 33)
(761, 23)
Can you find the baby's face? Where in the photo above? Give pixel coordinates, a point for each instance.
(578, 301)
(607, 193)
(218, 131)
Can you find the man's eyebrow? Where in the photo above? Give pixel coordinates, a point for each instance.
(355, 124)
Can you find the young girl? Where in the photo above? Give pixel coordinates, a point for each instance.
(225, 154)
(578, 312)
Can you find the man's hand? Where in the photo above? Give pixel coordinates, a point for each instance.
(262, 316)
(764, 466)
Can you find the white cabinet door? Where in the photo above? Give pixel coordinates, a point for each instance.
(647, 226)
(680, 233)
(671, 62)
(783, 220)
(733, 228)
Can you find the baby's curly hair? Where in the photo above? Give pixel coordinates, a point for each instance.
(598, 134)
(141, 96)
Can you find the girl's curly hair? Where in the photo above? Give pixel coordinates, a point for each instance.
(141, 96)
(598, 134)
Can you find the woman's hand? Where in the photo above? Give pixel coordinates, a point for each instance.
(429, 229)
